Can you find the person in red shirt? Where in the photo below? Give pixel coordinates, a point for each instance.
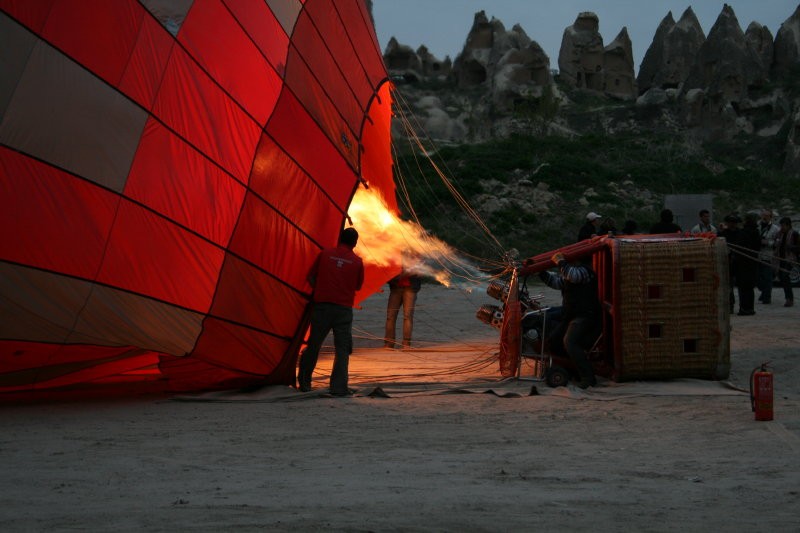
(336, 275)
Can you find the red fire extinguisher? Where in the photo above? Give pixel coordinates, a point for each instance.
(761, 392)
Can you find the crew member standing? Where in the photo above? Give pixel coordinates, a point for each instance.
(746, 267)
(336, 275)
(768, 232)
(403, 290)
(787, 246)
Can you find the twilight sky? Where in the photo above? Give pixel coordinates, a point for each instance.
(442, 25)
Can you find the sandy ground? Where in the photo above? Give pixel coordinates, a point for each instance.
(633, 457)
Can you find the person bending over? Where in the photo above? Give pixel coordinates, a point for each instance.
(580, 321)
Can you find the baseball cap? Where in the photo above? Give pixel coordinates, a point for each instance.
(593, 216)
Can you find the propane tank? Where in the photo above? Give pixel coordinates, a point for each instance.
(761, 392)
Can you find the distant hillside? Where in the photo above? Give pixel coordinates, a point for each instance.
(533, 149)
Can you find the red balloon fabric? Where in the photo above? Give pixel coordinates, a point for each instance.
(168, 172)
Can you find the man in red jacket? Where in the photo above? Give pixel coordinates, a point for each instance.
(336, 275)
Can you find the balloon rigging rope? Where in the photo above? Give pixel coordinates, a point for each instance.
(419, 148)
(751, 254)
(429, 316)
(486, 355)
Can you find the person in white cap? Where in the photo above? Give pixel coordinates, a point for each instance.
(590, 227)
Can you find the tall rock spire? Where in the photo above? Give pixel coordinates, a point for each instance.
(618, 77)
(726, 64)
(787, 45)
(667, 62)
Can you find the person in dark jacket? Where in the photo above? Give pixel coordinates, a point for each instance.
(665, 223)
(748, 243)
(630, 228)
(590, 226)
(787, 249)
(580, 320)
(730, 232)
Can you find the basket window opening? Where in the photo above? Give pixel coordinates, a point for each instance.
(655, 292)
(655, 331)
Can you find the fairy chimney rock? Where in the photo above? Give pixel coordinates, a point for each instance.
(580, 59)
(792, 161)
(760, 39)
(433, 67)
(726, 64)
(471, 65)
(669, 59)
(619, 80)
(787, 45)
(405, 64)
(509, 62)
(400, 57)
(528, 61)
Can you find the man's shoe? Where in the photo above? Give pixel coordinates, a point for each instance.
(305, 387)
(746, 312)
(788, 303)
(585, 383)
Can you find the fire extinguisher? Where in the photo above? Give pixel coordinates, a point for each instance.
(761, 392)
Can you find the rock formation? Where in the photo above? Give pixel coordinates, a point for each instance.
(471, 66)
(404, 63)
(432, 67)
(508, 60)
(792, 163)
(725, 69)
(760, 39)
(667, 62)
(619, 80)
(508, 63)
(787, 46)
(706, 87)
(726, 65)
(786, 65)
(584, 62)
(438, 124)
(399, 57)
(580, 59)
(522, 71)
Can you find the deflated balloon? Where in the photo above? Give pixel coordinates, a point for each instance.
(168, 173)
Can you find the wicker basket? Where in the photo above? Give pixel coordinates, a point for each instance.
(670, 308)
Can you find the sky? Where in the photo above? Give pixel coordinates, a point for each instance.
(443, 25)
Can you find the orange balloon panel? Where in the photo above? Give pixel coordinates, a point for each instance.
(168, 173)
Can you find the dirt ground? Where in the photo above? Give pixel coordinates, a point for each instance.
(621, 457)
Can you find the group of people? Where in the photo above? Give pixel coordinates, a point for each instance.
(595, 224)
(758, 248)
